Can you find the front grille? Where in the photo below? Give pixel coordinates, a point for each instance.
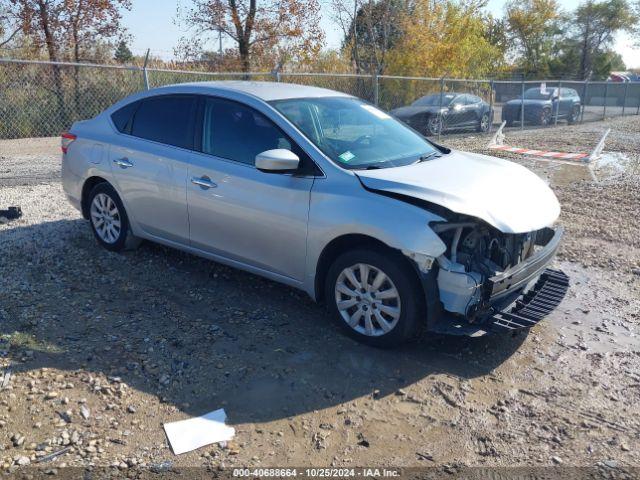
(534, 305)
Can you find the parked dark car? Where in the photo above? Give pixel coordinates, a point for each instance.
(541, 106)
(431, 114)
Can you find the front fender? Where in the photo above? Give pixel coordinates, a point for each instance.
(350, 209)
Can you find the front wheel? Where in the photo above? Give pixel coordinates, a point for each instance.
(545, 117)
(375, 297)
(574, 115)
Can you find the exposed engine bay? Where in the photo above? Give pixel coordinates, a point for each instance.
(476, 252)
(482, 248)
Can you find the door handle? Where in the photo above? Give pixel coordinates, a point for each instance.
(203, 182)
(123, 162)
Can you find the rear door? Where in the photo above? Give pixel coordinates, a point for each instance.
(149, 163)
(236, 211)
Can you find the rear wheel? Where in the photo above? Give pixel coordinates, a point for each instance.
(109, 220)
(483, 123)
(375, 297)
(434, 125)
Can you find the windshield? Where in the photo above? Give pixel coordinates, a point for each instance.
(433, 100)
(536, 94)
(354, 134)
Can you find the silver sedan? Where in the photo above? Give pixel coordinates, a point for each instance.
(327, 193)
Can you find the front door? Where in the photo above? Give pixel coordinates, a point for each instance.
(236, 211)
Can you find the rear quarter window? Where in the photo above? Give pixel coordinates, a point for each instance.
(122, 117)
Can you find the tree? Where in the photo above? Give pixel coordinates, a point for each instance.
(86, 21)
(66, 29)
(445, 39)
(9, 27)
(371, 29)
(123, 53)
(594, 27)
(533, 26)
(290, 28)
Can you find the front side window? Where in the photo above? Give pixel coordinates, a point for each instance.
(167, 119)
(355, 134)
(237, 132)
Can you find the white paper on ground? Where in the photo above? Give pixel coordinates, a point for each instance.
(187, 435)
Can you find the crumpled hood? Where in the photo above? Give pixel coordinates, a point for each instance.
(530, 102)
(408, 112)
(504, 194)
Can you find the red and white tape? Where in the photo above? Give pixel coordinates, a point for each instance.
(497, 143)
(541, 153)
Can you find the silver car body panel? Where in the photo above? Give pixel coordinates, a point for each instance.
(278, 225)
(504, 194)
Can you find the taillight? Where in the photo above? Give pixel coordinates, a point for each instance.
(66, 140)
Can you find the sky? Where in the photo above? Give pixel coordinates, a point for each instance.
(151, 24)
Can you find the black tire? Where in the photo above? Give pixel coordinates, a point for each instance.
(405, 280)
(574, 115)
(124, 239)
(433, 125)
(483, 123)
(545, 117)
(508, 122)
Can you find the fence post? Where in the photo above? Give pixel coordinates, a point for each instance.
(555, 123)
(440, 108)
(584, 99)
(604, 111)
(522, 107)
(624, 100)
(145, 76)
(376, 89)
(491, 86)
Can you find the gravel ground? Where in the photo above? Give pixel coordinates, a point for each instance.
(104, 348)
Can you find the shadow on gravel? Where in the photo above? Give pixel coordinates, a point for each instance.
(198, 334)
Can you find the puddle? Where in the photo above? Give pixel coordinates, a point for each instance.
(585, 320)
(612, 164)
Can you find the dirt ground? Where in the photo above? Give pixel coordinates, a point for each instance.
(104, 348)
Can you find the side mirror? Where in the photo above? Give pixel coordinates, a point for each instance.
(456, 107)
(278, 160)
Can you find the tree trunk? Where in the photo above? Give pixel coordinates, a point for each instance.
(50, 42)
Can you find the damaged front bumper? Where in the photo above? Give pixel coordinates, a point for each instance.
(517, 298)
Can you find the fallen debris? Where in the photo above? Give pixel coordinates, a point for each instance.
(5, 378)
(12, 213)
(187, 435)
(51, 456)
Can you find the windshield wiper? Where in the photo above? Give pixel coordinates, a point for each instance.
(427, 156)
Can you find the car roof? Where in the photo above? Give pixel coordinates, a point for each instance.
(266, 91)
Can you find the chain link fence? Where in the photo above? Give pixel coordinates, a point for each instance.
(41, 99)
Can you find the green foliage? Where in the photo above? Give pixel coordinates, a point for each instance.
(123, 53)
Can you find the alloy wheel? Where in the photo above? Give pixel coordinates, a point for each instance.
(367, 300)
(434, 125)
(105, 218)
(484, 123)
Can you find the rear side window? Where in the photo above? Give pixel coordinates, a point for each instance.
(167, 119)
(122, 117)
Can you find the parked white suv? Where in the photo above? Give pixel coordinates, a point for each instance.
(326, 193)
